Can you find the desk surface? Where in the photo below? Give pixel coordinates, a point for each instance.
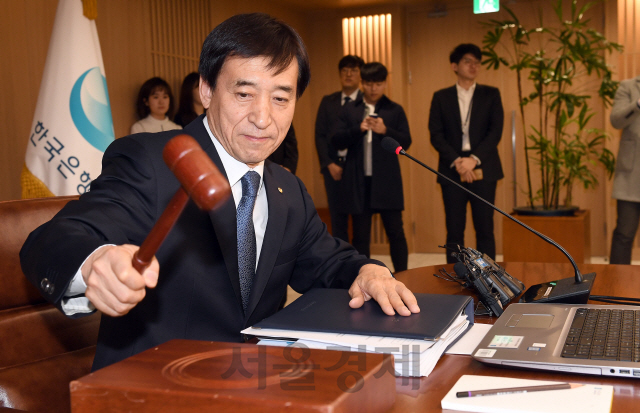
(424, 395)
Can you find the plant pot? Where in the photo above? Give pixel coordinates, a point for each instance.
(571, 232)
(539, 211)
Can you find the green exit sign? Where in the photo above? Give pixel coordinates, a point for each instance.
(485, 6)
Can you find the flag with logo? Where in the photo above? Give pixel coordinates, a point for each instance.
(72, 124)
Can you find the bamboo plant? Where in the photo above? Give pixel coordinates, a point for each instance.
(561, 61)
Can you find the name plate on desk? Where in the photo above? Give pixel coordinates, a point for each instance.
(186, 376)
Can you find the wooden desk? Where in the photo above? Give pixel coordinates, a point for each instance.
(424, 395)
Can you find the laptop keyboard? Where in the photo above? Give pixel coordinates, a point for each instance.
(603, 334)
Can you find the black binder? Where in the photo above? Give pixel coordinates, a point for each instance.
(327, 310)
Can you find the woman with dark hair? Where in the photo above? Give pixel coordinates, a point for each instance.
(154, 105)
(190, 104)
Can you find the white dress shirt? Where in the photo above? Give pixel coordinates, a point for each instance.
(465, 101)
(151, 124)
(352, 96)
(368, 138)
(235, 171)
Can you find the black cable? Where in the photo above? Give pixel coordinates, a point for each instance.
(444, 275)
(604, 300)
(610, 297)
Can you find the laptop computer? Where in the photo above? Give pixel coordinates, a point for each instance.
(577, 338)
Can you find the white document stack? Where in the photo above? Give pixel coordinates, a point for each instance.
(413, 358)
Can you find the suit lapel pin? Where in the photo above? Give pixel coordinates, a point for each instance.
(280, 189)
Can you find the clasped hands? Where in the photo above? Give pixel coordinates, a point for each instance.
(114, 286)
(465, 167)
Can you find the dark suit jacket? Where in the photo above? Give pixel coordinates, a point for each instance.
(485, 130)
(386, 180)
(326, 121)
(198, 291)
(287, 153)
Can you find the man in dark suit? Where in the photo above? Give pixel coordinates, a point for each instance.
(331, 159)
(217, 272)
(465, 123)
(371, 181)
(286, 155)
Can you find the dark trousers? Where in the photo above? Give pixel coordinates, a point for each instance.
(393, 226)
(339, 222)
(625, 232)
(455, 208)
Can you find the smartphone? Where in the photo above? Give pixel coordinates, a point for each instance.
(373, 115)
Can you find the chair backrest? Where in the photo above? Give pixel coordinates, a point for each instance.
(41, 350)
(17, 220)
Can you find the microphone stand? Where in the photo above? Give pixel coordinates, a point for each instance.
(569, 291)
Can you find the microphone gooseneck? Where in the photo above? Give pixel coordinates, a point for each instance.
(391, 145)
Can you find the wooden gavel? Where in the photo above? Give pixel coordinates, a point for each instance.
(200, 179)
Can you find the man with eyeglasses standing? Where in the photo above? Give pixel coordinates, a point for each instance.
(465, 123)
(332, 160)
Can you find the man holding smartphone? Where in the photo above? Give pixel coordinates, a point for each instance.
(371, 180)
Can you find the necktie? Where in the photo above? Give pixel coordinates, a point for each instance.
(347, 99)
(246, 234)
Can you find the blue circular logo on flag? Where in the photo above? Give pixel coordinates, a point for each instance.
(90, 109)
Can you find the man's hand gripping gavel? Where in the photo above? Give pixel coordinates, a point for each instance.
(117, 276)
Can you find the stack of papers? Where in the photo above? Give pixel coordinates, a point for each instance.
(589, 398)
(413, 358)
(321, 318)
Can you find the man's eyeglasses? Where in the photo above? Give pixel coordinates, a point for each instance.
(350, 70)
(470, 62)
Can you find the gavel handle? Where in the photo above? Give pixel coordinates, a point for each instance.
(142, 257)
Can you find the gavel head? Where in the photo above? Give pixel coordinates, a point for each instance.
(196, 172)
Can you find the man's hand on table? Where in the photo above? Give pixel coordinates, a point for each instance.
(376, 282)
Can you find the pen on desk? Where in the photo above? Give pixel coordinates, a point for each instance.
(513, 390)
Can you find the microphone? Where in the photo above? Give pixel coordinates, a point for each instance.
(567, 290)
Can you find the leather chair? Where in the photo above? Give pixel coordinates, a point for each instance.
(41, 350)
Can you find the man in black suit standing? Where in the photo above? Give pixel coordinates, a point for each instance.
(331, 159)
(371, 180)
(465, 123)
(216, 272)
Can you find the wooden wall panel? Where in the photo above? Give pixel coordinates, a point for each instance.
(325, 42)
(428, 62)
(178, 29)
(304, 115)
(370, 38)
(126, 36)
(371, 41)
(125, 40)
(25, 29)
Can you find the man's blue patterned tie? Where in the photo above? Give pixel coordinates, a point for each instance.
(247, 235)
